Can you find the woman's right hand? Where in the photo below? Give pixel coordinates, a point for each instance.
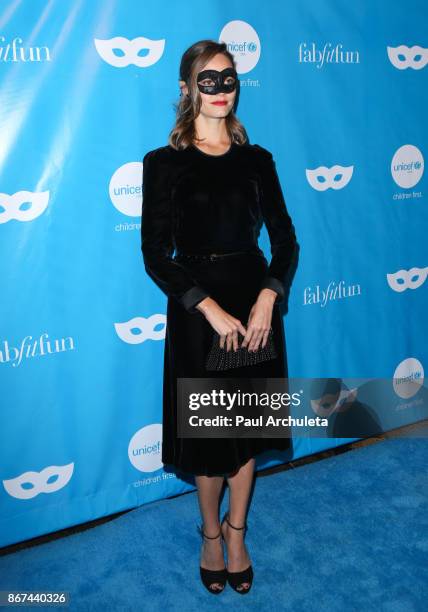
(224, 323)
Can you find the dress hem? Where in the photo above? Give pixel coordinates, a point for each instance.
(225, 472)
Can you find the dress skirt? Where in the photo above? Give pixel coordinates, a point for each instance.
(234, 282)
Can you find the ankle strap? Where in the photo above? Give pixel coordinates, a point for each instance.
(201, 531)
(233, 526)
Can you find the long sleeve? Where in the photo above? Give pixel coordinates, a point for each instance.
(157, 244)
(278, 224)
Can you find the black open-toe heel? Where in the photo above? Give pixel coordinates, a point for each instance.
(211, 577)
(236, 579)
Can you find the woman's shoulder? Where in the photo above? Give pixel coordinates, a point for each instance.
(161, 153)
(166, 155)
(261, 152)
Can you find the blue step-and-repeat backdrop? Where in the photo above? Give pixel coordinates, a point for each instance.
(337, 91)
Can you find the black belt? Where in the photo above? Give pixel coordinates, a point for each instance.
(214, 256)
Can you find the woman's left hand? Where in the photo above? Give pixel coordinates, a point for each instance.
(259, 320)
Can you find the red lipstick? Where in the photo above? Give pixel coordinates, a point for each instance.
(219, 102)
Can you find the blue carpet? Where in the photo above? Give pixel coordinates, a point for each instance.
(348, 532)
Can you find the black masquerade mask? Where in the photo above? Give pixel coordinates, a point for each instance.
(213, 81)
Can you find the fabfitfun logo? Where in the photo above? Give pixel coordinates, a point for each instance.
(334, 291)
(328, 54)
(17, 52)
(31, 348)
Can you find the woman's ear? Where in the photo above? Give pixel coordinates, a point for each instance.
(183, 87)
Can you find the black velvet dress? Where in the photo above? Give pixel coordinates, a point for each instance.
(195, 202)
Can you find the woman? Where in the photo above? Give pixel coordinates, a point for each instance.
(208, 192)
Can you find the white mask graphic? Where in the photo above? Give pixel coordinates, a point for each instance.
(410, 279)
(145, 327)
(130, 49)
(328, 404)
(11, 205)
(335, 177)
(415, 57)
(39, 480)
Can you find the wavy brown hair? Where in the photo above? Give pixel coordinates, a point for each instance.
(187, 109)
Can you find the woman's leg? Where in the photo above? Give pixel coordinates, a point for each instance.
(239, 492)
(209, 489)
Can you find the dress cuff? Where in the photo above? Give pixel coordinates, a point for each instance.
(192, 297)
(276, 285)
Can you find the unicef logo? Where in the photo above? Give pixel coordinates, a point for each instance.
(145, 448)
(408, 378)
(407, 166)
(125, 189)
(243, 42)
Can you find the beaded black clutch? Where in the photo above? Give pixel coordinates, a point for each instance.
(220, 359)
